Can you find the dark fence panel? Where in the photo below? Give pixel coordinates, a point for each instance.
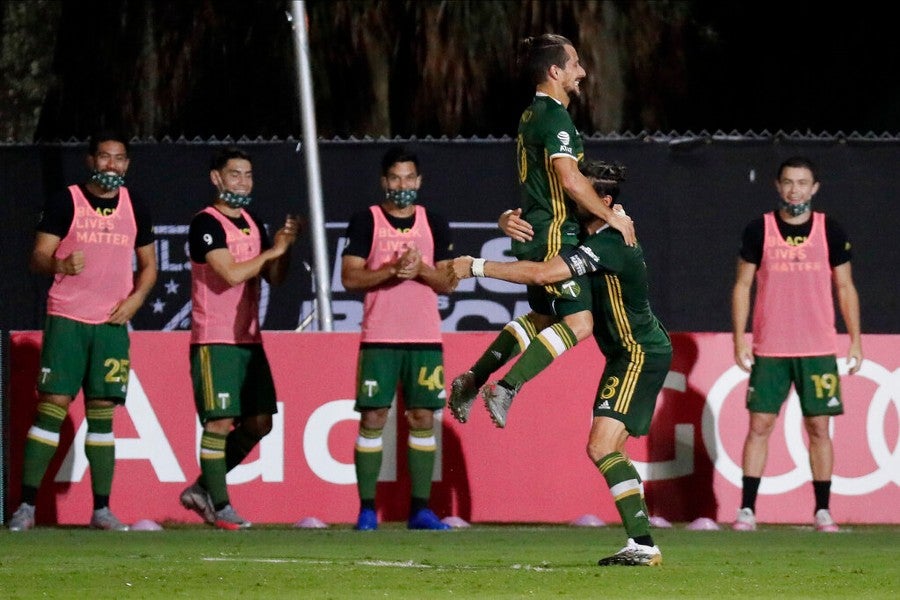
(690, 199)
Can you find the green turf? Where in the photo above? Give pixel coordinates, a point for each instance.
(479, 562)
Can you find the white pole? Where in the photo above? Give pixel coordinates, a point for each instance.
(313, 176)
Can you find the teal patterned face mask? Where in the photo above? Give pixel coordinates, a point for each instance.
(402, 198)
(235, 200)
(795, 210)
(108, 180)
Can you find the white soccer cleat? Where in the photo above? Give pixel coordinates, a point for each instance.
(227, 518)
(745, 520)
(197, 499)
(633, 555)
(824, 522)
(23, 518)
(104, 519)
(462, 395)
(497, 399)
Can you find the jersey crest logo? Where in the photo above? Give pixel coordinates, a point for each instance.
(369, 388)
(570, 288)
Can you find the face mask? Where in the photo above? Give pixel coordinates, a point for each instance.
(108, 180)
(402, 198)
(795, 210)
(235, 200)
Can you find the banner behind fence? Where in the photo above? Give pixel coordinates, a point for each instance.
(690, 200)
(534, 470)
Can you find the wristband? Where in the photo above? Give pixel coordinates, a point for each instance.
(478, 267)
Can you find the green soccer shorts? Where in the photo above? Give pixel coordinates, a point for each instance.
(560, 299)
(231, 381)
(418, 371)
(628, 389)
(815, 378)
(88, 356)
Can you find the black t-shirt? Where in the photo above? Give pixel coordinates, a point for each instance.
(754, 234)
(58, 212)
(206, 234)
(361, 228)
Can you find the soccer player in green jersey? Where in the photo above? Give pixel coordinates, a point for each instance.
(397, 253)
(548, 151)
(231, 254)
(609, 278)
(96, 240)
(792, 269)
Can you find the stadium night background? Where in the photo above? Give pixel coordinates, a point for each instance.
(690, 193)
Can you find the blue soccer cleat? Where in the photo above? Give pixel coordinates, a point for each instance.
(367, 520)
(426, 519)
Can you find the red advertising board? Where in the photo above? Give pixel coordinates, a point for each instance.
(535, 470)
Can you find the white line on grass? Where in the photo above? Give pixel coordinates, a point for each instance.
(401, 564)
(366, 563)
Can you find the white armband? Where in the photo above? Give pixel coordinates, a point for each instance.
(478, 267)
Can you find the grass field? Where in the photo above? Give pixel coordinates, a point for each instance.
(483, 561)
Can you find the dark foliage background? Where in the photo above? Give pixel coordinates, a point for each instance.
(205, 69)
(202, 68)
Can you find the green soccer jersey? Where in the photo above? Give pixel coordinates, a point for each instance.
(615, 276)
(546, 131)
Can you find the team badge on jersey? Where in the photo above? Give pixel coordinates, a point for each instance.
(569, 288)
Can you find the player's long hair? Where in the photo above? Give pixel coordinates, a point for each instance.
(604, 176)
(537, 54)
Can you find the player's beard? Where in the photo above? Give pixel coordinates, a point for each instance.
(574, 92)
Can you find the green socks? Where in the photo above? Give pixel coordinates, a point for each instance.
(212, 467)
(367, 459)
(513, 339)
(549, 344)
(625, 486)
(42, 442)
(100, 448)
(422, 449)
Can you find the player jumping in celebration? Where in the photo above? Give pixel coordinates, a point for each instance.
(609, 278)
(548, 151)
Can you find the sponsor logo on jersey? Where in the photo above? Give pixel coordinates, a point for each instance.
(563, 137)
(577, 264)
(590, 253)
